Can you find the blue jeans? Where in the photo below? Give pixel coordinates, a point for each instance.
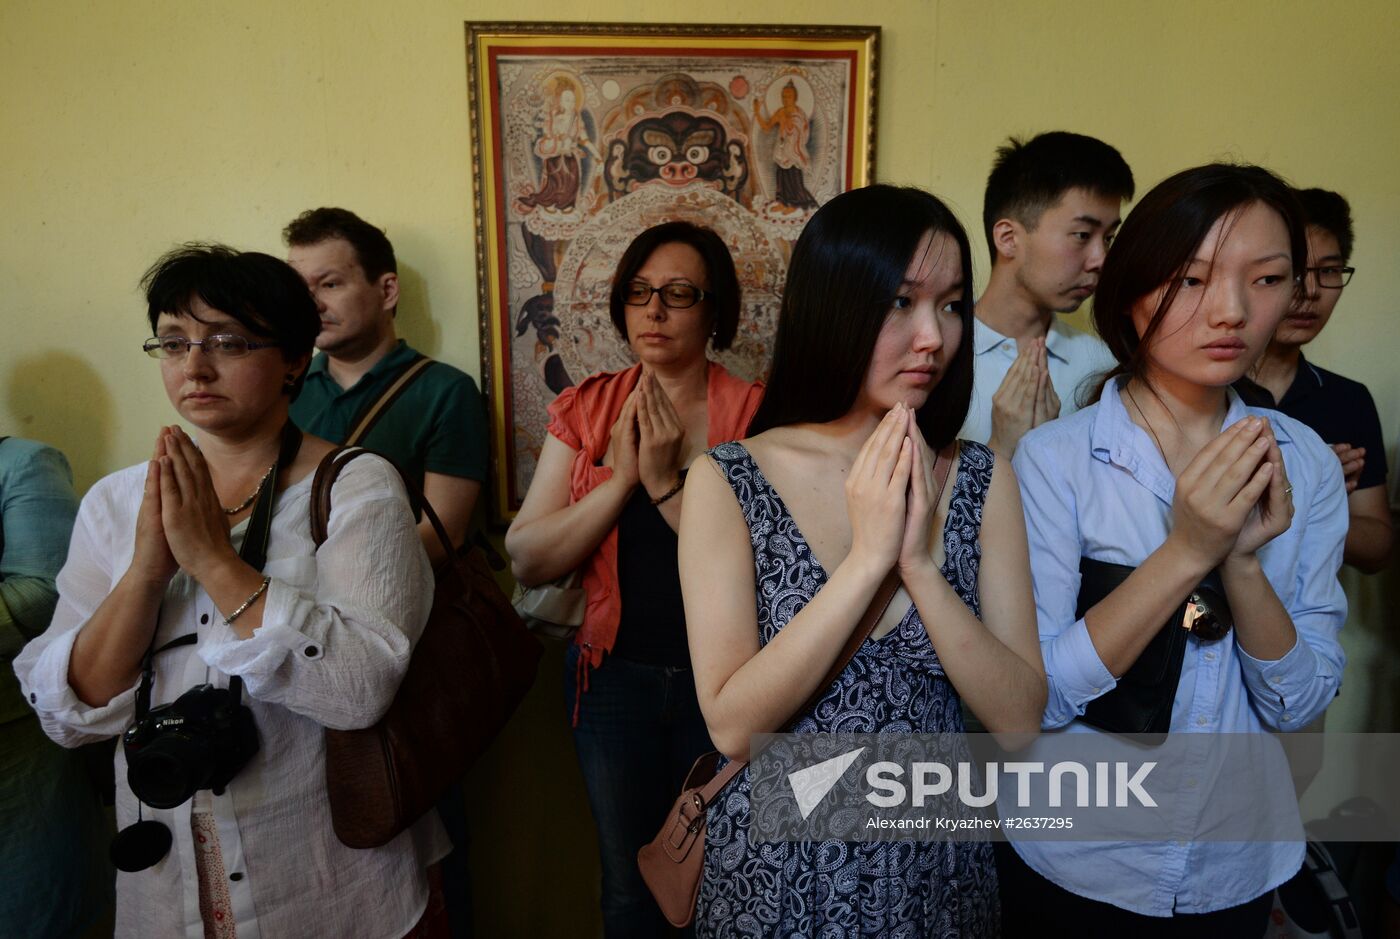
(638, 733)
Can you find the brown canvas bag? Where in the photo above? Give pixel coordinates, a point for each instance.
(472, 666)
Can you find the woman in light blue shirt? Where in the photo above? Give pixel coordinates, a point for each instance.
(1170, 481)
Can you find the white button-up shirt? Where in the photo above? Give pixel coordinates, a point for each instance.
(1077, 359)
(339, 624)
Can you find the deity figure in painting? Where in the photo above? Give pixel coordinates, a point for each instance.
(563, 140)
(790, 153)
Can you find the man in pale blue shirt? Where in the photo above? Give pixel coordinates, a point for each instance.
(1052, 207)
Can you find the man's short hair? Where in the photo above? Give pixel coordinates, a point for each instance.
(372, 248)
(1329, 211)
(1030, 176)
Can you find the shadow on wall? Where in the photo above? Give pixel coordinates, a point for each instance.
(1371, 619)
(415, 321)
(60, 399)
(534, 850)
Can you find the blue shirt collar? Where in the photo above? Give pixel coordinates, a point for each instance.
(1117, 440)
(985, 339)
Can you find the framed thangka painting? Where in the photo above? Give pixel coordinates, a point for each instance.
(583, 136)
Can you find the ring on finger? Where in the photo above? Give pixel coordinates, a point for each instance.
(1288, 490)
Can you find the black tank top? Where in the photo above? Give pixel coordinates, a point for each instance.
(652, 629)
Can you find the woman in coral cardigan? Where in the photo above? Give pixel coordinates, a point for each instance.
(606, 497)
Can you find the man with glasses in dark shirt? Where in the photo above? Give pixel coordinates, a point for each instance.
(1339, 409)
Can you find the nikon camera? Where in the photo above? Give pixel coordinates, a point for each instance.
(198, 741)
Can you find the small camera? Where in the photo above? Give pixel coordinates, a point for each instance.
(198, 741)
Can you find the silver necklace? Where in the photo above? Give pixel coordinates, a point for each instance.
(249, 501)
(1158, 440)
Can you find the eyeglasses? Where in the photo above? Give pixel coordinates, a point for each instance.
(222, 346)
(1333, 277)
(673, 296)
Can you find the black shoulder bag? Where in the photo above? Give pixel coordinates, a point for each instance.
(1141, 702)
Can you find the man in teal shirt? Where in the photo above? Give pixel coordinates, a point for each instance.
(436, 431)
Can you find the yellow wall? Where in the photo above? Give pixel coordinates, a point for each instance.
(126, 127)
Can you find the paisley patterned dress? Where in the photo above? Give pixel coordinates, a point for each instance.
(832, 889)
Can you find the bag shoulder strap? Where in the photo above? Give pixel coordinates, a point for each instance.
(373, 411)
(328, 470)
(882, 599)
(2, 520)
(873, 613)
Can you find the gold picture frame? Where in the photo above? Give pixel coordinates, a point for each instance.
(583, 135)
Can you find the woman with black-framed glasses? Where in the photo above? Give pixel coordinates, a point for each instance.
(605, 499)
(193, 586)
(1339, 409)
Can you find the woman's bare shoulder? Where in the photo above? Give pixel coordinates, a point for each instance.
(793, 442)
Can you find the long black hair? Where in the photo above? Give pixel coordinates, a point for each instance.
(1159, 239)
(846, 270)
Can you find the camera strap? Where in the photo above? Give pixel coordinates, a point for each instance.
(253, 553)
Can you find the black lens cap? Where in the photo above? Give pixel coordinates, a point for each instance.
(140, 846)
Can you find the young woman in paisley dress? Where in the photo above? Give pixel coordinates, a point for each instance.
(785, 538)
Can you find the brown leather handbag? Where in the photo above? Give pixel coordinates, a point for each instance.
(673, 862)
(472, 665)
